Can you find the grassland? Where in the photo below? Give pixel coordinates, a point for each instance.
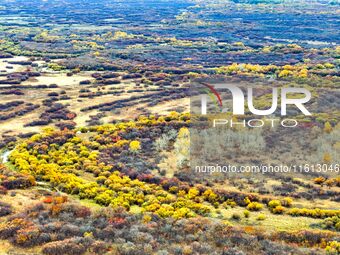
(95, 128)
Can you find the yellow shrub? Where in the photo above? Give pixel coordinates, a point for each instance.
(254, 206)
(134, 146)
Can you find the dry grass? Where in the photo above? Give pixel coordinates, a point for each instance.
(22, 199)
(16, 68)
(7, 248)
(72, 88)
(272, 222)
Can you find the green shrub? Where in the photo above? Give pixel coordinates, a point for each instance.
(246, 213)
(261, 217)
(331, 223)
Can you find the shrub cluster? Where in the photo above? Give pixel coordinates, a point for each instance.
(332, 223)
(314, 213)
(75, 231)
(14, 180)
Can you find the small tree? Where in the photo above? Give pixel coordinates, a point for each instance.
(319, 180)
(287, 201)
(246, 213)
(274, 203)
(254, 206)
(134, 146)
(328, 127)
(327, 158)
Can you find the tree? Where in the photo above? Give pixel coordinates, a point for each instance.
(182, 147)
(328, 127)
(327, 158)
(134, 146)
(303, 73)
(193, 192)
(274, 203)
(254, 206)
(319, 180)
(285, 73)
